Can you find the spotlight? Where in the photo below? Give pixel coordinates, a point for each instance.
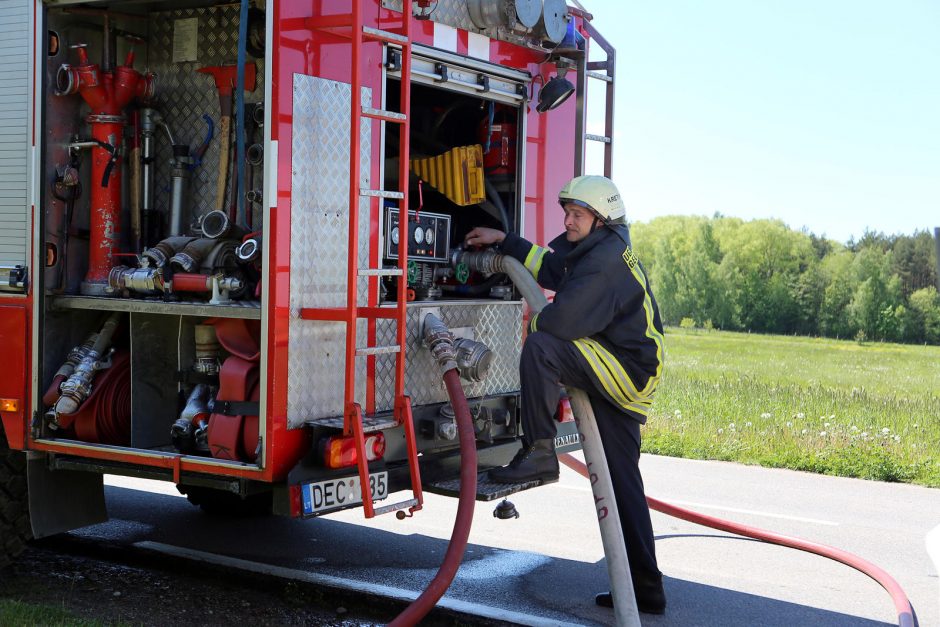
(555, 91)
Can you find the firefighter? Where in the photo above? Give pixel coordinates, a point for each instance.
(602, 334)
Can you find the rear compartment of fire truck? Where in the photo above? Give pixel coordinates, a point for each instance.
(154, 357)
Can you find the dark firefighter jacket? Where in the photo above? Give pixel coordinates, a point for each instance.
(603, 303)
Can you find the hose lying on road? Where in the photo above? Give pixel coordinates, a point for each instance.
(533, 295)
(901, 603)
(468, 491)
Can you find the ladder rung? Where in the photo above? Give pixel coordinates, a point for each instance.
(601, 77)
(377, 350)
(381, 114)
(380, 193)
(385, 509)
(598, 138)
(383, 35)
(382, 272)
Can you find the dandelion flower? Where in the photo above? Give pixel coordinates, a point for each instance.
(822, 434)
(731, 426)
(765, 415)
(801, 415)
(804, 432)
(748, 424)
(886, 430)
(789, 424)
(720, 431)
(897, 438)
(832, 417)
(678, 412)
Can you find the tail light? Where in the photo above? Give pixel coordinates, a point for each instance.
(340, 451)
(13, 404)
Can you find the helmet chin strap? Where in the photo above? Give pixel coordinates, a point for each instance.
(594, 223)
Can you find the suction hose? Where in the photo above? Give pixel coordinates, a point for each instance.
(441, 343)
(581, 407)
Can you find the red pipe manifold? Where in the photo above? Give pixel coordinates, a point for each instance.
(106, 93)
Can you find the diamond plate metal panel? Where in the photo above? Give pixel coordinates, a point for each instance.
(451, 12)
(497, 325)
(184, 95)
(320, 244)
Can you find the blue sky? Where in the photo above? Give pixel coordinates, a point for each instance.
(824, 114)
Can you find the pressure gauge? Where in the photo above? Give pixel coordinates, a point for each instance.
(395, 235)
(419, 235)
(429, 237)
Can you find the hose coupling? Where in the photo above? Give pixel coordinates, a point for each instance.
(473, 359)
(485, 261)
(440, 341)
(141, 280)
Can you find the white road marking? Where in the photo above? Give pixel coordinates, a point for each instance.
(347, 584)
(736, 510)
(933, 547)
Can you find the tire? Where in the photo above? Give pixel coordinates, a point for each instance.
(14, 506)
(220, 503)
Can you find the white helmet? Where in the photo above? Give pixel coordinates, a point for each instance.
(597, 193)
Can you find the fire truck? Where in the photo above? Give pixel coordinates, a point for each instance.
(224, 228)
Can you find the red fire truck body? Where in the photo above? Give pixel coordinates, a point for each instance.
(254, 335)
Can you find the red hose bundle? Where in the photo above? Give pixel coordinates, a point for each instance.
(105, 416)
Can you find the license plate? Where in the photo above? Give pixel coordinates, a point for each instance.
(323, 496)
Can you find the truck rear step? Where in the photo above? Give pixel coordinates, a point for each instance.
(486, 490)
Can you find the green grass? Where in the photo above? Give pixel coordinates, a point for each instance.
(17, 613)
(836, 407)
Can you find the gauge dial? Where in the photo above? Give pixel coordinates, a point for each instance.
(395, 235)
(419, 235)
(429, 236)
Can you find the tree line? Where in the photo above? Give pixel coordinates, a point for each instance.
(762, 276)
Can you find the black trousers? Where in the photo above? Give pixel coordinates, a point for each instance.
(547, 363)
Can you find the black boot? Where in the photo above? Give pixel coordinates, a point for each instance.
(650, 596)
(533, 462)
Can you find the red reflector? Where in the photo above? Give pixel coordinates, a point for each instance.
(564, 410)
(296, 501)
(340, 452)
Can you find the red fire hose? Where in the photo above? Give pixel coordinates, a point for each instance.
(468, 490)
(901, 603)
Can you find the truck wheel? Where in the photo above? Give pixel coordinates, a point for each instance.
(220, 503)
(14, 506)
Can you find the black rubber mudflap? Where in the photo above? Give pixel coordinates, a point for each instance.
(486, 490)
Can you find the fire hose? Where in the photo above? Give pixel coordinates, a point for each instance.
(489, 261)
(442, 347)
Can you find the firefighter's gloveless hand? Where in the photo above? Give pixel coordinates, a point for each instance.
(483, 236)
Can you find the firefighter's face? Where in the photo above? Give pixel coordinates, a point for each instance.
(578, 221)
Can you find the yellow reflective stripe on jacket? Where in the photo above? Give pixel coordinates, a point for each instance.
(532, 320)
(608, 381)
(533, 261)
(651, 332)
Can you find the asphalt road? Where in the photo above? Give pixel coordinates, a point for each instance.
(544, 567)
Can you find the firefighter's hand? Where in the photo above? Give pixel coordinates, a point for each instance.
(483, 236)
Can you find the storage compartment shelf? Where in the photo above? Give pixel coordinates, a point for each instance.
(249, 309)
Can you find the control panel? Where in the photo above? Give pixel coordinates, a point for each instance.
(428, 235)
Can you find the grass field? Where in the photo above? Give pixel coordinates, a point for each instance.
(867, 410)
